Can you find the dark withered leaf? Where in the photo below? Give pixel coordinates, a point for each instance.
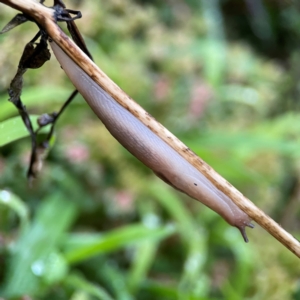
(34, 57)
(14, 22)
(26, 55)
(40, 58)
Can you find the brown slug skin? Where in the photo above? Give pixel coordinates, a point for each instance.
(151, 150)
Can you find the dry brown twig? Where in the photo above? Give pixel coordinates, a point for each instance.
(44, 17)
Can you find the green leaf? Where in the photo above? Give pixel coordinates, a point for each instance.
(30, 256)
(35, 96)
(14, 129)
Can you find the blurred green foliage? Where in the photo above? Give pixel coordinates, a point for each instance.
(223, 76)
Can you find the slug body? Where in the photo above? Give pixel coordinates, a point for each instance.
(150, 149)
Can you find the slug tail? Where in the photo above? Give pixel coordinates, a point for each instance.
(243, 232)
(242, 229)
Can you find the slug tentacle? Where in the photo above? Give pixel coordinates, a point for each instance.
(150, 149)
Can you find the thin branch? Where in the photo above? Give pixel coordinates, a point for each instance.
(45, 18)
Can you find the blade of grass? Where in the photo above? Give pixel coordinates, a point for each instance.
(77, 282)
(17, 205)
(116, 239)
(115, 278)
(192, 236)
(142, 261)
(171, 202)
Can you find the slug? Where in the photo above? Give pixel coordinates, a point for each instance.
(150, 149)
